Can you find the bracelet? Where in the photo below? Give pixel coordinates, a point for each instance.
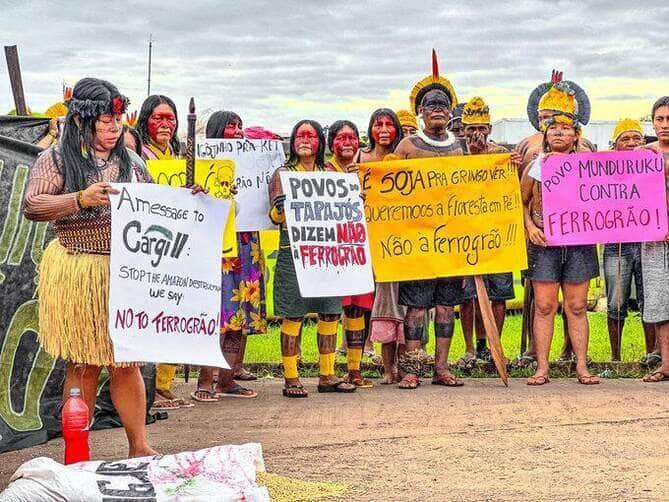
(80, 199)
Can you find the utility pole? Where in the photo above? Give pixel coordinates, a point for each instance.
(12, 56)
(148, 86)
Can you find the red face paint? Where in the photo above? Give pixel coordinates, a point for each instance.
(306, 140)
(162, 124)
(233, 130)
(345, 143)
(383, 130)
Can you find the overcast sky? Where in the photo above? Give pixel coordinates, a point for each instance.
(275, 62)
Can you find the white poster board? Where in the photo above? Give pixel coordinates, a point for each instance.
(165, 282)
(255, 160)
(326, 223)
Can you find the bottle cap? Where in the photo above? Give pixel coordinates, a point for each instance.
(75, 392)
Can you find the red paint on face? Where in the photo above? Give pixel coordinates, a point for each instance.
(383, 130)
(162, 124)
(233, 130)
(306, 141)
(345, 143)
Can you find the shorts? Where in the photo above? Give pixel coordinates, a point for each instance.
(365, 301)
(655, 260)
(429, 293)
(383, 331)
(620, 266)
(574, 264)
(498, 286)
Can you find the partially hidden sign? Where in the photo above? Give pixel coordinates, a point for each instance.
(215, 176)
(165, 275)
(328, 236)
(604, 197)
(444, 217)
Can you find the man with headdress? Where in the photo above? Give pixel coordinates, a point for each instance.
(477, 128)
(433, 98)
(622, 263)
(56, 112)
(455, 124)
(408, 122)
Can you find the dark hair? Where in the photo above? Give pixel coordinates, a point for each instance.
(138, 141)
(145, 112)
(293, 159)
(381, 112)
(79, 164)
(551, 121)
(663, 101)
(217, 122)
(338, 126)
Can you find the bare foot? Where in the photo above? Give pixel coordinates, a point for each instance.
(167, 394)
(538, 379)
(142, 451)
(388, 379)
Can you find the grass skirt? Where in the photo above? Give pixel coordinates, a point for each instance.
(73, 292)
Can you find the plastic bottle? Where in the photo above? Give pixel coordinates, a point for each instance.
(75, 428)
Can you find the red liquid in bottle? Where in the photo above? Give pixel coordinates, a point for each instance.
(75, 428)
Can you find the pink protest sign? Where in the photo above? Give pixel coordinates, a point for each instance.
(604, 197)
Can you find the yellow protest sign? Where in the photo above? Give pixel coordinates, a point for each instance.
(213, 175)
(444, 217)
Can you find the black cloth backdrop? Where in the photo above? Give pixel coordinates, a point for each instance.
(30, 411)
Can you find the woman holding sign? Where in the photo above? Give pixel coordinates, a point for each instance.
(69, 185)
(242, 294)
(555, 267)
(655, 256)
(307, 153)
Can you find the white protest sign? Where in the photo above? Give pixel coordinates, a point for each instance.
(328, 233)
(255, 160)
(165, 282)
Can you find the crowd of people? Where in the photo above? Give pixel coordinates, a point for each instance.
(100, 144)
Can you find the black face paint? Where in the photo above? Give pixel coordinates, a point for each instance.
(435, 100)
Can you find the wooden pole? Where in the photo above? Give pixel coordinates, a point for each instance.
(12, 56)
(148, 83)
(190, 144)
(528, 316)
(491, 330)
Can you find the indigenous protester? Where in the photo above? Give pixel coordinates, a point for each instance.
(387, 317)
(157, 125)
(131, 137)
(69, 185)
(529, 149)
(307, 153)
(455, 124)
(56, 113)
(477, 128)
(622, 263)
(408, 122)
(433, 98)
(242, 294)
(157, 128)
(553, 267)
(655, 255)
(343, 142)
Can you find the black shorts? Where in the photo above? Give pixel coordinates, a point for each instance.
(498, 286)
(431, 292)
(562, 263)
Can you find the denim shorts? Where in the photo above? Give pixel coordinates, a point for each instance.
(498, 286)
(429, 293)
(620, 267)
(574, 264)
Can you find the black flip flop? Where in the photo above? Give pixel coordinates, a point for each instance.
(304, 393)
(336, 387)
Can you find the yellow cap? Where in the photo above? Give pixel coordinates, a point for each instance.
(476, 112)
(625, 125)
(407, 119)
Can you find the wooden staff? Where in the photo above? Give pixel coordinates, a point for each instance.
(528, 315)
(14, 69)
(491, 329)
(190, 144)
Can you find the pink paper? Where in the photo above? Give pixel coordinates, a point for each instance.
(604, 197)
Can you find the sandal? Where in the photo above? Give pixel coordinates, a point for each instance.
(656, 376)
(165, 404)
(341, 387)
(536, 380)
(182, 403)
(294, 390)
(447, 380)
(650, 360)
(361, 382)
(409, 381)
(587, 379)
(245, 376)
(238, 391)
(210, 396)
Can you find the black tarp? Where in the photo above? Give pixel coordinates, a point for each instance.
(31, 381)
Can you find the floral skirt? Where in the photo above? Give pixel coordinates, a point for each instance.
(243, 288)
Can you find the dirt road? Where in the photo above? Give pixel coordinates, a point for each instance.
(478, 442)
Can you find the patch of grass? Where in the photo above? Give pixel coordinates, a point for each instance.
(266, 348)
